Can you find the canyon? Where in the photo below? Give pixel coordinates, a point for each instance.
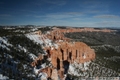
(61, 52)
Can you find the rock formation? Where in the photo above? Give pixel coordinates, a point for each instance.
(76, 51)
(38, 32)
(66, 53)
(58, 34)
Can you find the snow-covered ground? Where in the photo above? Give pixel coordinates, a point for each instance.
(32, 56)
(76, 69)
(42, 76)
(3, 77)
(42, 40)
(4, 43)
(90, 69)
(35, 38)
(22, 48)
(8, 62)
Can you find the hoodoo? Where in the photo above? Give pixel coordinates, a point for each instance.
(61, 52)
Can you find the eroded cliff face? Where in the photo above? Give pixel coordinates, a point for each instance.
(64, 54)
(73, 51)
(67, 53)
(58, 34)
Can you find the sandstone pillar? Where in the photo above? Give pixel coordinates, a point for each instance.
(49, 72)
(65, 54)
(73, 54)
(54, 59)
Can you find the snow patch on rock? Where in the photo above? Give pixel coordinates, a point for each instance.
(32, 56)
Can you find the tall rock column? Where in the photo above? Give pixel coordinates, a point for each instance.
(65, 54)
(54, 59)
(73, 54)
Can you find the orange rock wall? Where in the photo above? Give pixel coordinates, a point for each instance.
(77, 51)
(58, 34)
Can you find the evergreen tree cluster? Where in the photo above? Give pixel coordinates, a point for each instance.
(15, 62)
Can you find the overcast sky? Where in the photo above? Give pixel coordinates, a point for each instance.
(80, 13)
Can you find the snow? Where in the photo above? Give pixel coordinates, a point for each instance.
(22, 48)
(4, 40)
(32, 56)
(50, 44)
(25, 50)
(75, 68)
(84, 56)
(42, 76)
(4, 43)
(34, 29)
(60, 41)
(45, 53)
(35, 38)
(71, 69)
(25, 66)
(29, 75)
(43, 65)
(41, 39)
(36, 70)
(52, 48)
(3, 77)
(56, 46)
(4, 46)
(48, 32)
(7, 55)
(86, 64)
(38, 38)
(49, 59)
